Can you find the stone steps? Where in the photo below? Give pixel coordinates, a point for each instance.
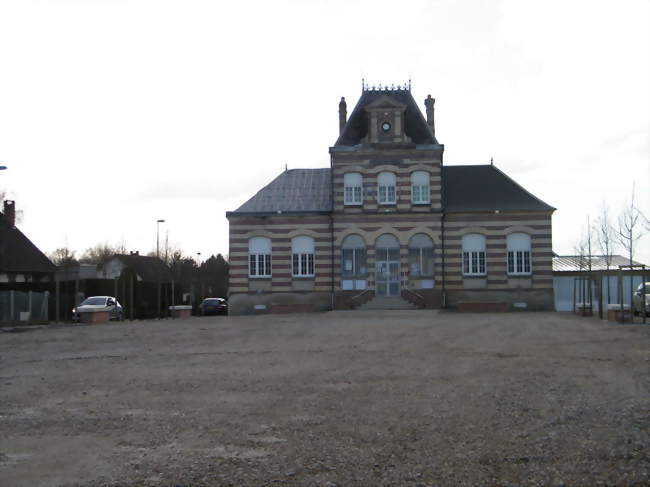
(384, 302)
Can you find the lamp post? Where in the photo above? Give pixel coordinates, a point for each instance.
(158, 222)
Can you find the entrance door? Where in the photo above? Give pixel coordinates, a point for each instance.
(387, 280)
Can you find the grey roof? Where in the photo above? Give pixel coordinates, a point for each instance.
(415, 125)
(465, 188)
(485, 188)
(18, 254)
(576, 263)
(293, 191)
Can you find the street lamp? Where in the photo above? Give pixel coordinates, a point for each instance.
(158, 222)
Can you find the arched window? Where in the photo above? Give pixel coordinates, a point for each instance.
(353, 261)
(302, 251)
(421, 255)
(353, 188)
(420, 192)
(386, 192)
(518, 253)
(259, 257)
(473, 254)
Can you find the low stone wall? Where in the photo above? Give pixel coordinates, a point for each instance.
(263, 303)
(512, 299)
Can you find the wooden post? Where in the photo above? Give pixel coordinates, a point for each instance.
(132, 303)
(58, 298)
(173, 301)
(29, 304)
(158, 289)
(600, 297)
(11, 305)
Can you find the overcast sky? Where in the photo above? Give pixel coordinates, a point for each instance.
(114, 114)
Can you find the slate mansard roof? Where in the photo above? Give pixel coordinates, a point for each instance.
(465, 188)
(415, 126)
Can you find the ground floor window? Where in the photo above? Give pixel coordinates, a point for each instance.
(474, 254)
(259, 257)
(518, 253)
(420, 256)
(302, 251)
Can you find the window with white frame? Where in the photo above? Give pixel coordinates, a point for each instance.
(473, 254)
(353, 188)
(518, 245)
(386, 188)
(259, 257)
(420, 191)
(302, 256)
(421, 256)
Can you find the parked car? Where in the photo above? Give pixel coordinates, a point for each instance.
(638, 297)
(214, 306)
(99, 302)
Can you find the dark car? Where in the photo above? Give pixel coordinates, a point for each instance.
(214, 306)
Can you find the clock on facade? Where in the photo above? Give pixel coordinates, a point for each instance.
(385, 126)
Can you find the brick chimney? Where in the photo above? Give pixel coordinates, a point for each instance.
(343, 114)
(429, 102)
(10, 213)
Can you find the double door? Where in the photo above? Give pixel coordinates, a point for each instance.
(387, 277)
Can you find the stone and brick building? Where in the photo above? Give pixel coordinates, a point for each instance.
(388, 220)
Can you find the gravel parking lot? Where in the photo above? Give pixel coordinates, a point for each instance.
(414, 398)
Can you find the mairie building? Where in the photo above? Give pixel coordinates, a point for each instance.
(388, 222)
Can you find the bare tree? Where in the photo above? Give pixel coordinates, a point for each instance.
(98, 254)
(606, 238)
(64, 257)
(629, 230)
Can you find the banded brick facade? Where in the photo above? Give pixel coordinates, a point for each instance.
(388, 139)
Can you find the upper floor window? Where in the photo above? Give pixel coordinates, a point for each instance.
(259, 257)
(302, 252)
(473, 254)
(518, 253)
(353, 188)
(421, 255)
(386, 182)
(420, 192)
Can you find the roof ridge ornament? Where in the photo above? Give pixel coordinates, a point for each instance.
(385, 87)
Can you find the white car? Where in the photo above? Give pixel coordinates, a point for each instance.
(107, 303)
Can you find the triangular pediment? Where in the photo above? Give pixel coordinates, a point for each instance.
(385, 102)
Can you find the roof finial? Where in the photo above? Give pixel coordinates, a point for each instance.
(409, 83)
(363, 85)
(491, 161)
(286, 167)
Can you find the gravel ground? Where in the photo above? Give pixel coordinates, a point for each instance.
(413, 398)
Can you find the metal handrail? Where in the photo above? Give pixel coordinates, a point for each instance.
(414, 293)
(360, 294)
